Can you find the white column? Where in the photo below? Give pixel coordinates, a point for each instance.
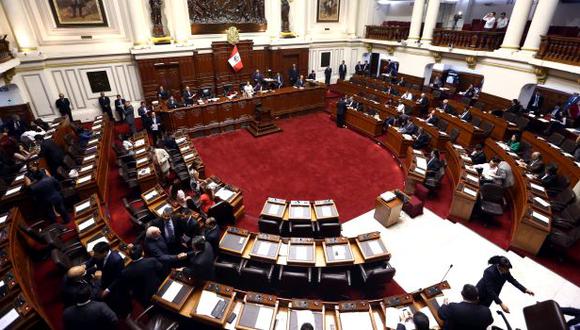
(180, 17)
(430, 20)
(139, 27)
(416, 20)
(273, 12)
(20, 26)
(517, 24)
(351, 17)
(540, 24)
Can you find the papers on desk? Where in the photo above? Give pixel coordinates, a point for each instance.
(139, 142)
(151, 194)
(264, 318)
(567, 155)
(541, 201)
(86, 168)
(274, 209)
(224, 194)
(577, 164)
(421, 163)
(212, 185)
(554, 146)
(356, 320)
(470, 191)
(304, 316)
(420, 171)
(179, 140)
(3, 218)
(87, 158)
(283, 250)
(326, 211)
(542, 120)
(388, 196)
(18, 178)
(185, 149)
(530, 176)
(144, 171)
(9, 318)
(172, 291)
(375, 247)
(96, 127)
(417, 152)
(263, 248)
(12, 191)
(93, 141)
(407, 137)
(513, 154)
(141, 160)
(457, 146)
(92, 243)
(537, 187)
(472, 178)
(541, 217)
(85, 224)
(339, 251)
(84, 179)
(139, 151)
(301, 252)
(83, 206)
(207, 303)
(465, 158)
(188, 157)
(159, 210)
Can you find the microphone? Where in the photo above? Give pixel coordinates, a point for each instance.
(447, 272)
(435, 290)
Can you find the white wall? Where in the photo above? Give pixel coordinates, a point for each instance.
(10, 95)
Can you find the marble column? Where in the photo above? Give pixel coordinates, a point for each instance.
(540, 24)
(416, 20)
(180, 17)
(139, 27)
(351, 18)
(21, 28)
(517, 24)
(430, 20)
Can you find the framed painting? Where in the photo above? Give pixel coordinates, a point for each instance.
(328, 11)
(78, 13)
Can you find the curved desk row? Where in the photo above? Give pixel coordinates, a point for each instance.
(226, 307)
(465, 181)
(147, 174)
(189, 153)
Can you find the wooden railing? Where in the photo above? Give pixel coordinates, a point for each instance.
(5, 53)
(394, 33)
(476, 40)
(560, 49)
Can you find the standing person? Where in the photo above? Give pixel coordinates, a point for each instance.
(342, 71)
(358, 68)
(494, 277)
(502, 21)
(211, 233)
(201, 259)
(143, 113)
(154, 127)
(536, 102)
(64, 107)
(87, 314)
(51, 152)
(142, 276)
(187, 96)
(340, 112)
(162, 159)
(327, 75)
(129, 113)
(489, 19)
(467, 314)
(105, 103)
(293, 75)
(120, 107)
(162, 94)
(45, 190)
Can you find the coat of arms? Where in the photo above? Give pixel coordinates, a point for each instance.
(233, 35)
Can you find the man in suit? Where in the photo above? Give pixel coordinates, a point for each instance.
(389, 90)
(423, 103)
(201, 259)
(550, 177)
(419, 321)
(434, 163)
(358, 68)
(120, 107)
(422, 139)
(75, 279)
(156, 247)
(327, 75)
(64, 107)
(445, 107)
(142, 276)
(211, 233)
(572, 100)
(300, 82)
(105, 103)
(342, 71)
(407, 126)
(311, 75)
(162, 94)
(469, 92)
(143, 113)
(432, 119)
(536, 164)
(466, 114)
(51, 152)
(87, 314)
(279, 81)
(293, 75)
(366, 68)
(467, 314)
(257, 77)
(16, 126)
(340, 112)
(478, 156)
(172, 103)
(129, 113)
(172, 228)
(187, 96)
(536, 102)
(110, 263)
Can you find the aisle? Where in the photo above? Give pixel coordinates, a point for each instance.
(423, 248)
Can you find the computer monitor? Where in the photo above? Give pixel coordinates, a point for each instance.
(205, 92)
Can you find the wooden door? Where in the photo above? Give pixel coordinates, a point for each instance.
(168, 76)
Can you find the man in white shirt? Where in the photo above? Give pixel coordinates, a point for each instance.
(489, 19)
(248, 90)
(490, 171)
(502, 21)
(401, 107)
(407, 96)
(162, 159)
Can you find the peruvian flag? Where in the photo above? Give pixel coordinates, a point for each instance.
(235, 60)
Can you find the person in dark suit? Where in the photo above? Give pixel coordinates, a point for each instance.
(423, 103)
(293, 75)
(75, 279)
(154, 125)
(358, 68)
(129, 113)
(550, 177)
(536, 163)
(143, 113)
(340, 112)
(478, 156)
(408, 127)
(142, 276)
(110, 263)
(105, 104)
(87, 314)
(279, 81)
(494, 277)
(366, 69)
(420, 321)
(466, 114)
(469, 92)
(201, 259)
(172, 103)
(172, 228)
(389, 90)
(445, 107)
(211, 233)
(162, 94)
(515, 107)
(466, 315)
(536, 102)
(187, 96)
(51, 152)
(64, 107)
(342, 71)
(422, 139)
(156, 247)
(120, 107)
(327, 75)
(434, 163)
(257, 77)
(300, 82)
(311, 75)
(432, 119)
(16, 126)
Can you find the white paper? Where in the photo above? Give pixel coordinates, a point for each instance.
(375, 247)
(407, 137)
(18, 178)
(139, 142)
(179, 140)
(540, 217)
(469, 191)
(141, 160)
(263, 248)
(225, 194)
(87, 158)
(184, 149)
(421, 163)
(339, 251)
(85, 224)
(541, 201)
(301, 252)
(96, 127)
(151, 195)
(92, 243)
(273, 209)
(83, 206)
(356, 320)
(207, 303)
(283, 250)
(3, 218)
(86, 168)
(392, 317)
(388, 196)
(187, 157)
(472, 178)
(139, 151)
(172, 291)
(93, 141)
(212, 185)
(304, 316)
(264, 318)
(537, 187)
(418, 152)
(326, 211)
(160, 209)
(13, 190)
(9, 318)
(84, 179)
(145, 171)
(457, 146)
(420, 171)
(2, 284)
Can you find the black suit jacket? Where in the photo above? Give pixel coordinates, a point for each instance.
(478, 158)
(201, 263)
(63, 106)
(70, 288)
(421, 141)
(533, 99)
(95, 315)
(358, 68)
(549, 181)
(213, 237)
(342, 70)
(142, 278)
(293, 74)
(341, 107)
(157, 248)
(490, 285)
(120, 104)
(434, 165)
(434, 120)
(105, 103)
(52, 153)
(111, 270)
(537, 166)
(465, 316)
(186, 97)
(466, 115)
(327, 73)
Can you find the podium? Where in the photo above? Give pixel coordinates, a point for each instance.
(388, 213)
(262, 123)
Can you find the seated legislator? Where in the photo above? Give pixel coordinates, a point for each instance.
(536, 164)
(467, 314)
(437, 83)
(422, 139)
(162, 94)
(432, 118)
(477, 155)
(489, 171)
(407, 95)
(514, 143)
(258, 87)
(142, 276)
(278, 80)
(187, 96)
(469, 92)
(423, 103)
(407, 126)
(550, 177)
(515, 107)
(402, 82)
(156, 247)
(172, 103)
(201, 259)
(466, 114)
(434, 163)
(300, 82)
(312, 75)
(248, 90)
(87, 314)
(389, 90)
(445, 107)
(419, 321)
(401, 108)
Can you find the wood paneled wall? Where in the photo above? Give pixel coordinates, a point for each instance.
(213, 70)
(552, 97)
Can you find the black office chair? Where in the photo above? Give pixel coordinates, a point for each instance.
(228, 268)
(270, 226)
(141, 212)
(525, 150)
(556, 139)
(562, 182)
(476, 121)
(295, 278)
(73, 257)
(443, 125)
(333, 281)
(568, 218)
(302, 228)
(491, 197)
(569, 146)
(454, 134)
(562, 200)
(374, 276)
(433, 182)
(522, 122)
(255, 274)
(510, 116)
(487, 128)
(152, 318)
(329, 228)
(223, 212)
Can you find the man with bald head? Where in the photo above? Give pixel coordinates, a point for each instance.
(536, 164)
(76, 278)
(156, 247)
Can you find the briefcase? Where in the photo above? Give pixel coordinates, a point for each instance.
(413, 207)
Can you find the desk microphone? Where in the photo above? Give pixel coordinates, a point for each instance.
(447, 272)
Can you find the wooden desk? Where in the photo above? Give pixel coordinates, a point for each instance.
(388, 213)
(363, 123)
(465, 182)
(438, 137)
(396, 142)
(416, 171)
(468, 134)
(553, 154)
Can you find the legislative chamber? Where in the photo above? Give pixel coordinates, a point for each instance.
(290, 165)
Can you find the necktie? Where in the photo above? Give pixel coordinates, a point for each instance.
(169, 231)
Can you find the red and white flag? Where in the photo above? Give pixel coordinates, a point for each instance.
(235, 60)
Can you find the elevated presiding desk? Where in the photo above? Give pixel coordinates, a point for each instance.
(225, 113)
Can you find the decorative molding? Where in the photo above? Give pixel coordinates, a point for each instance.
(541, 74)
(8, 75)
(471, 61)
